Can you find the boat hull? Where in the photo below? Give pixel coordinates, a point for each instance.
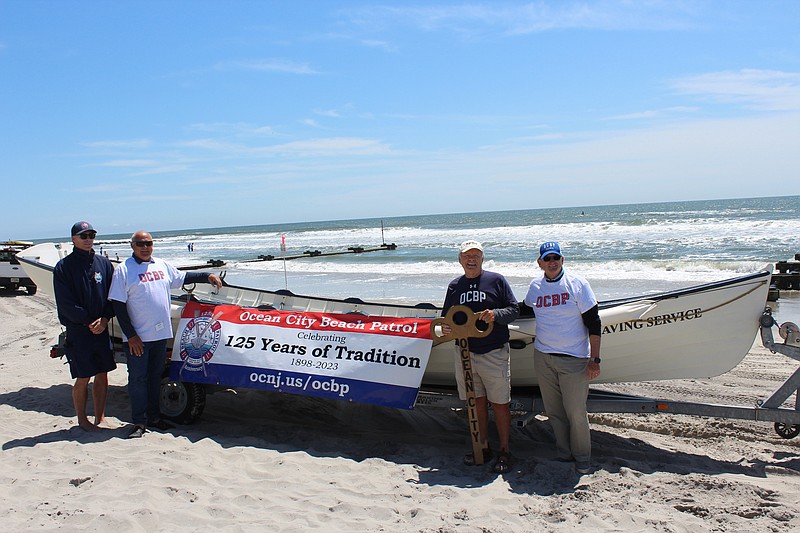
(697, 332)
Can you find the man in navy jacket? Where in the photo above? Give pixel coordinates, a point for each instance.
(81, 282)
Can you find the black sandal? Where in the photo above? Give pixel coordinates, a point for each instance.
(161, 424)
(503, 463)
(469, 459)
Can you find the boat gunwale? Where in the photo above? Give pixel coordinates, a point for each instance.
(677, 293)
(605, 304)
(714, 285)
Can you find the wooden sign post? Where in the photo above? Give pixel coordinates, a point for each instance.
(462, 322)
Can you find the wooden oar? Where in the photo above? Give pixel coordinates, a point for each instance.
(463, 325)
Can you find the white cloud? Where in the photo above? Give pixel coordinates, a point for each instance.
(234, 128)
(331, 146)
(332, 113)
(532, 17)
(656, 113)
(128, 163)
(166, 169)
(267, 65)
(119, 144)
(768, 90)
(374, 43)
(212, 145)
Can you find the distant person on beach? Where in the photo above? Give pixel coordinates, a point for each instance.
(140, 293)
(81, 282)
(489, 294)
(566, 352)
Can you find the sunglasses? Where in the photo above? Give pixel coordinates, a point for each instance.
(549, 258)
(142, 244)
(87, 235)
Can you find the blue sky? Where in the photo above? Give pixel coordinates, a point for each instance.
(170, 115)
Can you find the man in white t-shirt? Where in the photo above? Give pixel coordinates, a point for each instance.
(566, 352)
(140, 293)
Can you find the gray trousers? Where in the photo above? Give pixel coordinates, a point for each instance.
(564, 385)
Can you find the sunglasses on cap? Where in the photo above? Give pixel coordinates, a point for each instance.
(142, 244)
(87, 235)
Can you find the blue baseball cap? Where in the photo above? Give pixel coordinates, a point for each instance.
(81, 227)
(548, 248)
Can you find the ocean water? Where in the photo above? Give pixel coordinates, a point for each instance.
(623, 250)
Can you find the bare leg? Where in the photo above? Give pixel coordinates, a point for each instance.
(80, 391)
(99, 394)
(502, 418)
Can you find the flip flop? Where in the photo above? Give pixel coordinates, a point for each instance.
(469, 459)
(503, 463)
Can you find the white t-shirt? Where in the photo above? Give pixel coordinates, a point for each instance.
(558, 307)
(145, 288)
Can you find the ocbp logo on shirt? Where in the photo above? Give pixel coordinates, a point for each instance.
(472, 296)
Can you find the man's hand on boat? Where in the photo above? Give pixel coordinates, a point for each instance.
(215, 280)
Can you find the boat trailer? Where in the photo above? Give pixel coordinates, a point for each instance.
(184, 402)
(529, 403)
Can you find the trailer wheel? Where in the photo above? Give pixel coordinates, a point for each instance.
(787, 431)
(182, 401)
(31, 289)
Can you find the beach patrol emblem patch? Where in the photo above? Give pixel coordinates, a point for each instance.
(199, 340)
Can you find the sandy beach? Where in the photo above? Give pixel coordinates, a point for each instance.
(260, 461)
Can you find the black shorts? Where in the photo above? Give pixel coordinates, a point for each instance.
(89, 354)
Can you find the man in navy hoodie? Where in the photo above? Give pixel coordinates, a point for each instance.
(81, 282)
(489, 294)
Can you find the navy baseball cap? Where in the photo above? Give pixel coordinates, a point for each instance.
(548, 248)
(81, 227)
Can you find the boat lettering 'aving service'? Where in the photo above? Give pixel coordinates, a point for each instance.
(681, 291)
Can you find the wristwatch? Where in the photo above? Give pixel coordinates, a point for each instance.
(594, 360)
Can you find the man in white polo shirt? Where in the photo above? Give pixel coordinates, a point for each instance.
(140, 293)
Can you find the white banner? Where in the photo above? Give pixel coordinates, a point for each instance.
(378, 360)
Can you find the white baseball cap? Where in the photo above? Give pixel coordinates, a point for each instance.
(470, 245)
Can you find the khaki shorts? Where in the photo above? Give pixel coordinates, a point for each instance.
(491, 374)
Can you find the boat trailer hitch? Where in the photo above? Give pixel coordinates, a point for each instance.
(790, 347)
